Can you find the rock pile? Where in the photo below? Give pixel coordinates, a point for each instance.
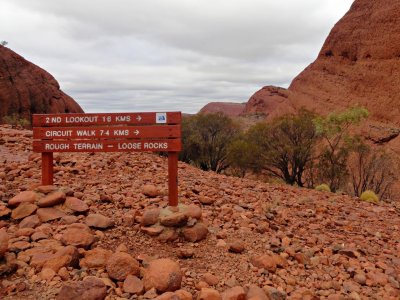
(170, 223)
(264, 241)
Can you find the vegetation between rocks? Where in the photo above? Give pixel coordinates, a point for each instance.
(301, 149)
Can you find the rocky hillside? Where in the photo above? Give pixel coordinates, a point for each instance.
(105, 232)
(26, 89)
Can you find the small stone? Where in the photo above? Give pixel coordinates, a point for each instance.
(23, 197)
(99, 221)
(236, 246)
(77, 235)
(25, 232)
(47, 274)
(69, 220)
(30, 222)
(4, 211)
(185, 253)
(150, 216)
(196, 233)
(162, 274)
(193, 211)
(46, 189)
(150, 294)
(23, 210)
(184, 295)
(3, 242)
(38, 236)
(256, 293)
(64, 257)
(266, 262)
(360, 278)
(154, 230)
(120, 265)
(133, 285)
(176, 219)
(150, 190)
(76, 205)
(275, 294)
(122, 248)
(206, 200)
(209, 294)
(52, 199)
(210, 279)
(91, 288)
(95, 258)
(49, 214)
(168, 296)
(235, 293)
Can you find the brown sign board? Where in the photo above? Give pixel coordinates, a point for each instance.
(145, 118)
(166, 145)
(109, 132)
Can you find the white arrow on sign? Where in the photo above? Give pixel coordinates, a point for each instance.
(139, 118)
(136, 132)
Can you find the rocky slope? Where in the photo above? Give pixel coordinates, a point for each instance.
(90, 236)
(26, 89)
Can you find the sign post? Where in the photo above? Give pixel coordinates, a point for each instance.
(109, 132)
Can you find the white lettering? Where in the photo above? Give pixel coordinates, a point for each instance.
(123, 118)
(58, 133)
(84, 119)
(86, 133)
(155, 146)
(129, 146)
(56, 146)
(88, 146)
(120, 132)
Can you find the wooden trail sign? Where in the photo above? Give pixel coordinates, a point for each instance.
(109, 132)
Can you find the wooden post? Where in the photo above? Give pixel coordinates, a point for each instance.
(47, 168)
(173, 178)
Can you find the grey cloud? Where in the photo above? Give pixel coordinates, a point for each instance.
(166, 55)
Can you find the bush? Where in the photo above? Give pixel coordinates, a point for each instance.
(334, 129)
(206, 138)
(16, 120)
(285, 147)
(323, 188)
(369, 196)
(372, 169)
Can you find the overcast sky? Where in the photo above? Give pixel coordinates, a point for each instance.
(158, 55)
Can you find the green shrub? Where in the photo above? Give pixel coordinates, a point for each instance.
(369, 196)
(16, 120)
(323, 188)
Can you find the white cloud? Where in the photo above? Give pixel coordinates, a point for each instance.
(167, 54)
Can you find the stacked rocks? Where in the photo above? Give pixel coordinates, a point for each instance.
(170, 223)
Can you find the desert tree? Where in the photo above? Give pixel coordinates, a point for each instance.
(206, 138)
(240, 156)
(337, 141)
(372, 169)
(284, 148)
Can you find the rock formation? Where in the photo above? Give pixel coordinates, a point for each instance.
(228, 108)
(26, 89)
(271, 101)
(358, 64)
